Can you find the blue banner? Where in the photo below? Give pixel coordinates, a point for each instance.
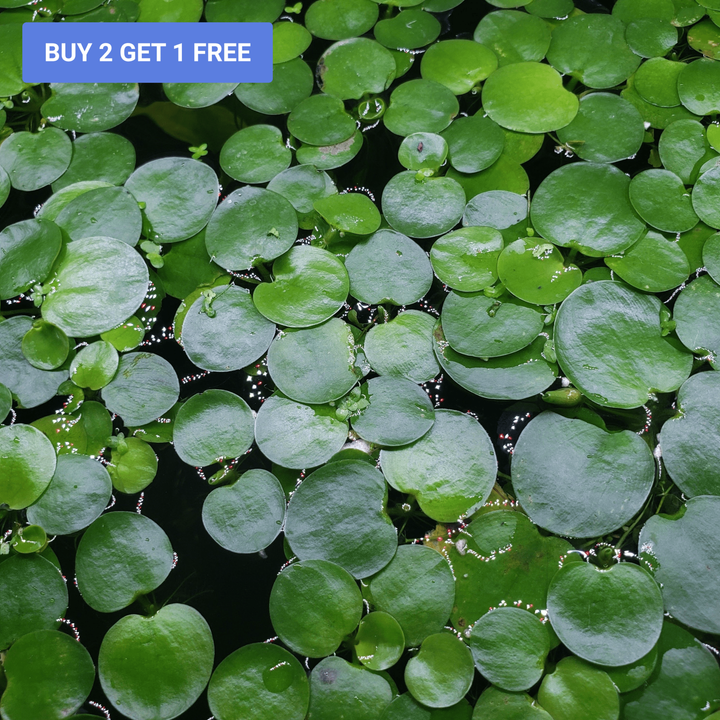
(147, 52)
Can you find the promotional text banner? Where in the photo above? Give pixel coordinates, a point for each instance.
(147, 52)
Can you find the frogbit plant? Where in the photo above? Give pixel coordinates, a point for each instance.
(428, 325)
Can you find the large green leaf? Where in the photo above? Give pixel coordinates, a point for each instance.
(682, 554)
(49, 676)
(450, 470)
(607, 616)
(121, 556)
(350, 497)
(577, 480)
(155, 668)
(609, 342)
(98, 283)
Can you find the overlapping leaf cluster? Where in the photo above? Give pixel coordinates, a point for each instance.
(577, 585)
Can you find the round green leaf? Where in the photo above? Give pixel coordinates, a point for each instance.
(482, 327)
(536, 272)
(292, 82)
(78, 493)
(90, 107)
(423, 150)
(681, 552)
(388, 267)
(577, 689)
(660, 198)
(504, 174)
(420, 106)
(179, 194)
(698, 87)
(497, 209)
(656, 81)
(121, 556)
(34, 160)
(686, 680)
(321, 120)
(34, 597)
(379, 641)
(49, 675)
(298, 436)
(27, 464)
(30, 386)
(606, 129)
(459, 65)
(226, 333)
(340, 19)
(422, 207)
(695, 304)
(514, 36)
(572, 194)
(511, 89)
(408, 30)
(683, 148)
(255, 154)
(630, 10)
(609, 342)
(496, 704)
(155, 668)
(144, 388)
(592, 48)
(466, 260)
(500, 560)
(28, 250)
(85, 431)
(338, 690)
(98, 283)
(112, 211)
(509, 646)
(509, 377)
(350, 496)
(451, 470)
(653, 264)
(474, 143)
(251, 225)
(95, 365)
(399, 412)
(260, 681)
(349, 212)
(53, 207)
(705, 197)
(197, 95)
(45, 345)
(355, 67)
(213, 426)
(133, 466)
(441, 673)
(560, 475)
(417, 589)
(314, 604)
(296, 356)
(610, 617)
(246, 516)
(651, 37)
(310, 286)
(403, 347)
(290, 39)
